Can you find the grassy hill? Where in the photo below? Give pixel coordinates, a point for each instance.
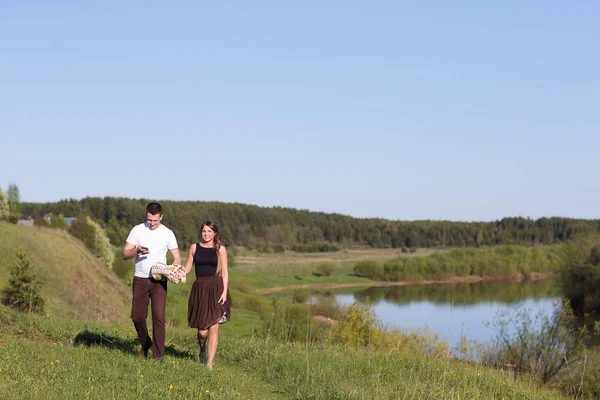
(74, 283)
(50, 358)
(86, 348)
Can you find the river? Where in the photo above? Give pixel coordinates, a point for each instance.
(451, 310)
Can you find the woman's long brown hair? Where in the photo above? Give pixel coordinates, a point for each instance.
(216, 242)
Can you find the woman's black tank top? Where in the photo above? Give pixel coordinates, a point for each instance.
(205, 260)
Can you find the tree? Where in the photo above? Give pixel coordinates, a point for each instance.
(3, 206)
(24, 290)
(14, 207)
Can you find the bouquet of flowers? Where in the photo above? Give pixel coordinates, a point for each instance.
(173, 273)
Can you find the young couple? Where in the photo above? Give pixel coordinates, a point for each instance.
(209, 303)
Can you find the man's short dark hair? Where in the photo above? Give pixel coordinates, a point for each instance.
(154, 208)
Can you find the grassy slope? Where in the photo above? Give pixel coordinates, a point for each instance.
(42, 357)
(38, 359)
(74, 283)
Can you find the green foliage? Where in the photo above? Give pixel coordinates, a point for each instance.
(84, 232)
(325, 269)
(4, 211)
(316, 248)
(250, 302)
(74, 283)
(510, 260)
(243, 286)
(23, 291)
(580, 279)
(542, 347)
(356, 327)
(95, 239)
(305, 272)
(248, 225)
(291, 323)
(55, 358)
(372, 269)
(300, 296)
(14, 206)
(123, 268)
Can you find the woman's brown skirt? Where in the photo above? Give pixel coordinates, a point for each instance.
(204, 309)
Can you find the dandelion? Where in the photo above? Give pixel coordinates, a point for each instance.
(170, 387)
(57, 361)
(206, 391)
(52, 362)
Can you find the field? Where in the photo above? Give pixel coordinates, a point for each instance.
(74, 351)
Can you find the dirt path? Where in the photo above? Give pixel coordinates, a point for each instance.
(470, 279)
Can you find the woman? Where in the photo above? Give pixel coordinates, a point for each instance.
(209, 304)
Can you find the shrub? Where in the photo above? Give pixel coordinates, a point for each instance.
(121, 267)
(278, 248)
(24, 290)
(300, 296)
(95, 240)
(356, 327)
(542, 347)
(243, 286)
(325, 269)
(316, 248)
(371, 269)
(305, 272)
(3, 205)
(290, 323)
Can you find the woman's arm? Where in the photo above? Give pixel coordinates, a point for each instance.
(224, 273)
(190, 261)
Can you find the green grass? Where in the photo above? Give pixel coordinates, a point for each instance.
(39, 359)
(74, 283)
(85, 347)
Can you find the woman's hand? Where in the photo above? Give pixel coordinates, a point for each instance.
(223, 298)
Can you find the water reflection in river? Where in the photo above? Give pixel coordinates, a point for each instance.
(451, 310)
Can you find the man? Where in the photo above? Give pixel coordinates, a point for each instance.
(148, 242)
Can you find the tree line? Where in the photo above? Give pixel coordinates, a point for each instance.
(252, 226)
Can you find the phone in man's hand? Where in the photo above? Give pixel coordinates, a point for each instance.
(142, 250)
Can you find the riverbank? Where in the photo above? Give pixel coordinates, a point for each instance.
(456, 280)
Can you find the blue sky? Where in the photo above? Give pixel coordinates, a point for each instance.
(462, 110)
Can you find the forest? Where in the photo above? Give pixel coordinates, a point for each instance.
(255, 226)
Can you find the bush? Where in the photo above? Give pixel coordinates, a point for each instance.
(243, 286)
(290, 323)
(24, 290)
(300, 296)
(123, 268)
(278, 248)
(305, 272)
(356, 327)
(325, 269)
(371, 269)
(316, 248)
(95, 240)
(542, 347)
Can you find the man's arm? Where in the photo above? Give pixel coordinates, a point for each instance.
(129, 251)
(176, 256)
